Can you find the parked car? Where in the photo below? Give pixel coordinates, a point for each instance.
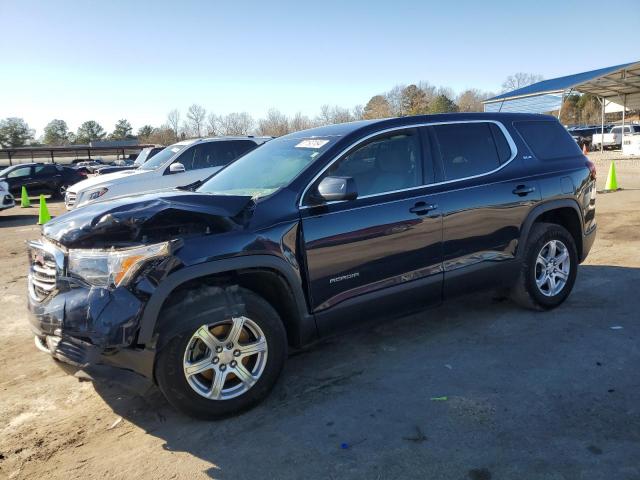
(613, 139)
(314, 232)
(39, 178)
(144, 155)
(7, 199)
(89, 166)
(180, 164)
(116, 166)
(584, 135)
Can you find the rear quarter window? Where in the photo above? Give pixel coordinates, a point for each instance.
(469, 149)
(548, 140)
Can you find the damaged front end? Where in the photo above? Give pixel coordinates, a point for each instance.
(94, 269)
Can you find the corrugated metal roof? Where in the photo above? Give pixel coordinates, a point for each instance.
(532, 104)
(604, 82)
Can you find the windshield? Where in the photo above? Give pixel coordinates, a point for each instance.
(161, 157)
(268, 167)
(142, 157)
(3, 173)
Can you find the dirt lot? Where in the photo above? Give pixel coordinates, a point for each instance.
(528, 395)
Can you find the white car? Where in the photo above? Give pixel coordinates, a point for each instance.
(6, 199)
(177, 165)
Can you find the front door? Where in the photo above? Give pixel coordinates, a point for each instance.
(381, 251)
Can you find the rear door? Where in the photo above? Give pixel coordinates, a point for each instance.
(383, 250)
(486, 202)
(46, 178)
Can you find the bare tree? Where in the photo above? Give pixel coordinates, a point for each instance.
(173, 121)
(300, 122)
(195, 116)
(213, 125)
(333, 114)
(430, 91)
(519, 80)
(275, 124)
(394, 98)
(165, 135)
(236, 123)
(357, 112)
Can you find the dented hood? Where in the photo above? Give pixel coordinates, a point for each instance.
(157, 216)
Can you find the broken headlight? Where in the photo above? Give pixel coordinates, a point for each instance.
(106, 268)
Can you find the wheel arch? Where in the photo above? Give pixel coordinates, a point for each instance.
(564, 212)
(266, 275)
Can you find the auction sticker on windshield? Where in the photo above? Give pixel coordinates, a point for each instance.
(312, 143)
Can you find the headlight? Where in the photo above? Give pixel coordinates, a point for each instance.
(105, 268)
(97, 193)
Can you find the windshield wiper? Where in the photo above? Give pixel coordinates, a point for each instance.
(191, 186)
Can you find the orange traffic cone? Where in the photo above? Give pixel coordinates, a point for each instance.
(584, 148)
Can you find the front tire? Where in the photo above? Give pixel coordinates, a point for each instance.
(229, 360)
(549, 269)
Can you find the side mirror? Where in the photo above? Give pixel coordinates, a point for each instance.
(333, 189)
(176, 168)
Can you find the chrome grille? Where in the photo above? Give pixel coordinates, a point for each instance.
(69, 199)
(42, 272)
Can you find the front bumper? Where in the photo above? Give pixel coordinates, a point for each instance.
(75, 322)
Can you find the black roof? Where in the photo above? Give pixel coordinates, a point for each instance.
(344, 129)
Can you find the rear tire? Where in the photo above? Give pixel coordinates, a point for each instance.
(58, 192)
(549, 269)
(211, 347)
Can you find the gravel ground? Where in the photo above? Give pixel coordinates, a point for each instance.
(474, 389)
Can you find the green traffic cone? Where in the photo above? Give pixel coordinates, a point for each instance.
(43, 216)
(24, 201)
(612, 180)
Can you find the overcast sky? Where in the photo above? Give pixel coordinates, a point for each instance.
(113, 59)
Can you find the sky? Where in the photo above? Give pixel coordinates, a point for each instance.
(87, 60)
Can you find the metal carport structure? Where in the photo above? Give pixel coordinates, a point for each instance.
(616, 85)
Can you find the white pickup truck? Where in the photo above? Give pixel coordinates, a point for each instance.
(613, 139)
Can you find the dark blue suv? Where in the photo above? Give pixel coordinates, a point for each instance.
(204, 289)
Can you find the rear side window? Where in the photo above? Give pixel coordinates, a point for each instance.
(219, 154)
(45, 170)
(548, 140)
(469, 149)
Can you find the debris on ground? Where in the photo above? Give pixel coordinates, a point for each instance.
(439, 399)
(115, 424)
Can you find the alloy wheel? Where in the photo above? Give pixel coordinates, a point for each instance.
(553, 266)
(225, 359)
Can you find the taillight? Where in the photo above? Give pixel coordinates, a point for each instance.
(592, 169)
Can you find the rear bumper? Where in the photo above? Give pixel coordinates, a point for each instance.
(587, 242)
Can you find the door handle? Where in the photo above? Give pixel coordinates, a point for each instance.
(523, 190)
(422, 208)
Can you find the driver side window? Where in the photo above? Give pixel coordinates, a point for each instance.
(384, 164)
(186, 158)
